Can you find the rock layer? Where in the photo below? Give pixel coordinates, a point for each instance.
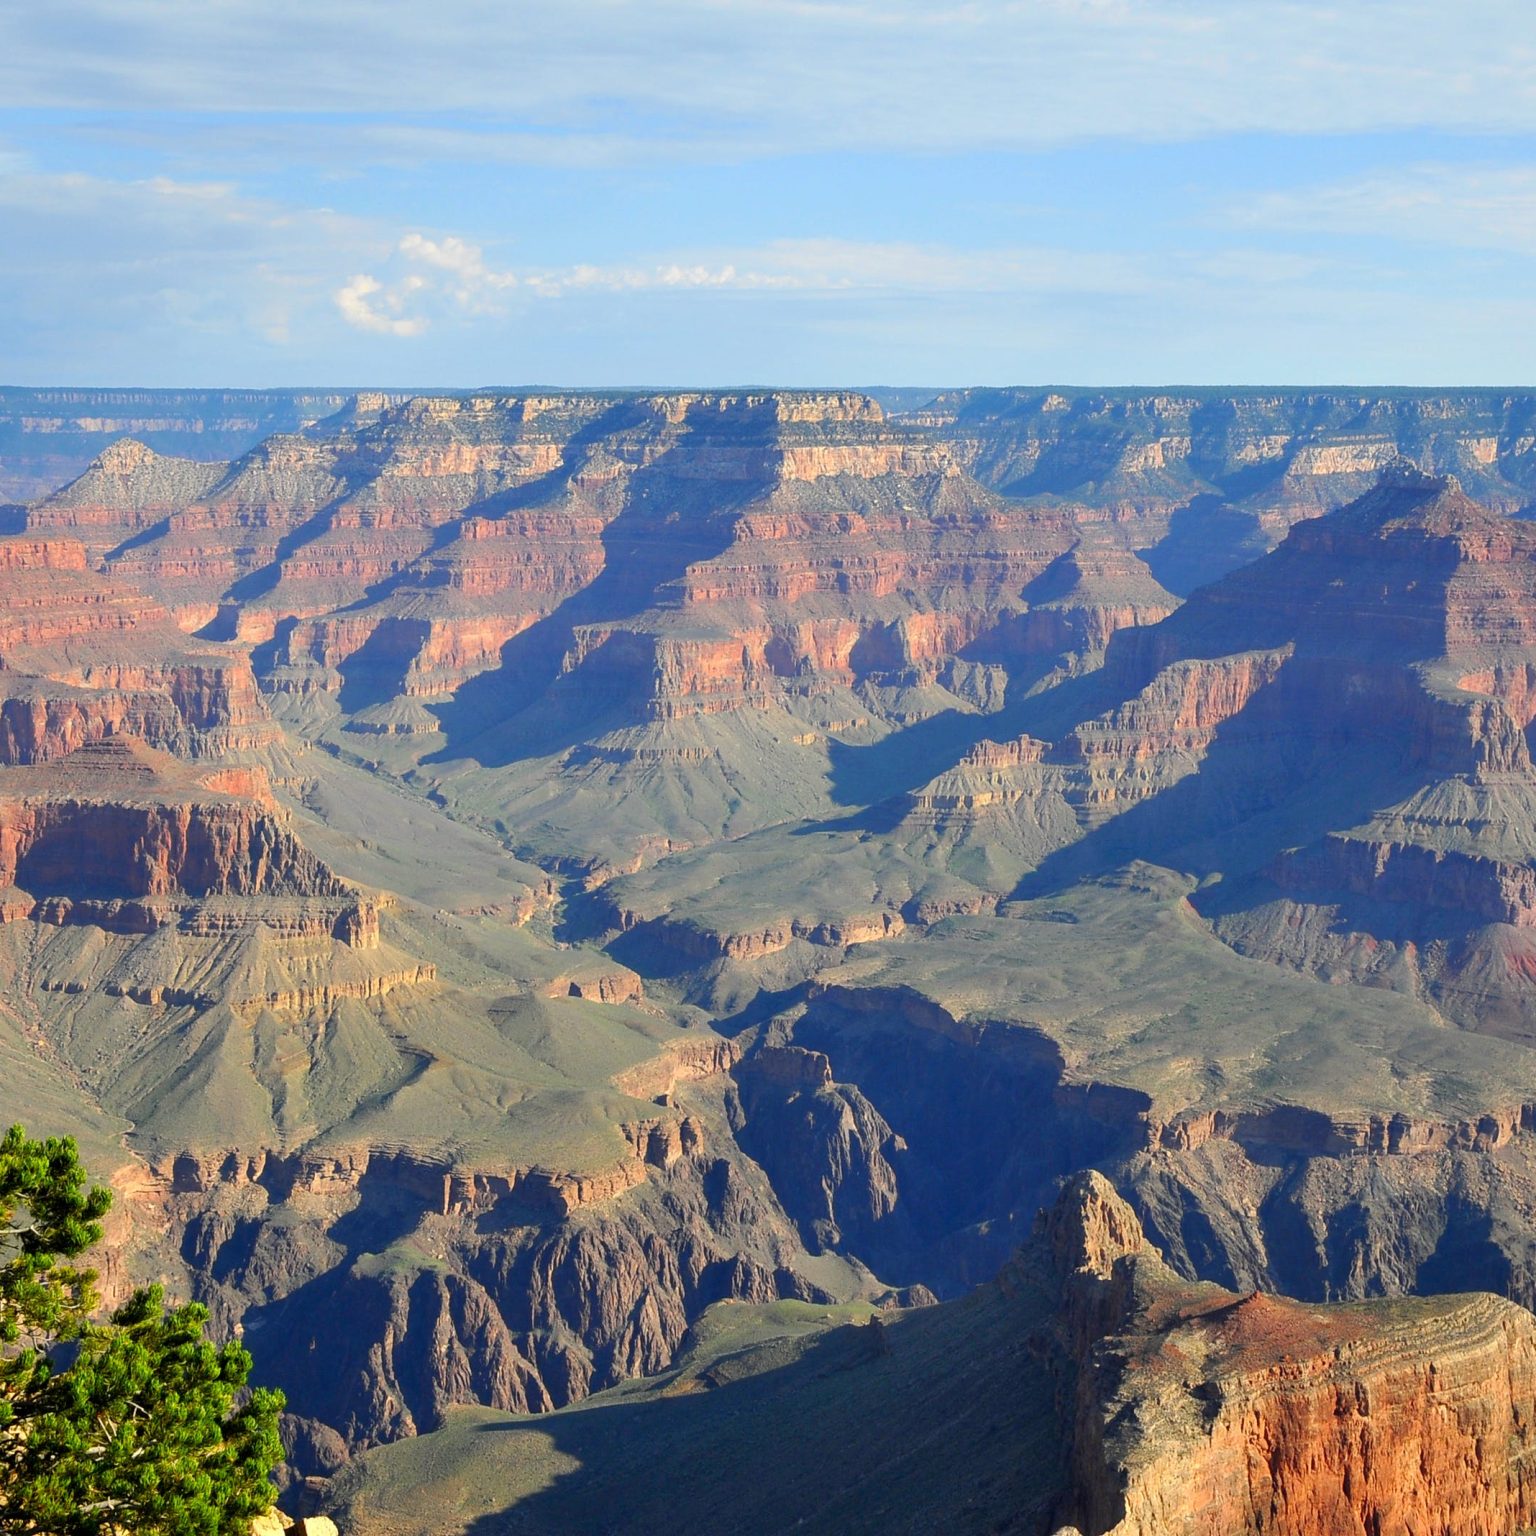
(1206, 1411)
(84, 656)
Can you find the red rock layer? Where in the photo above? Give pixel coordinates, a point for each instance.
(1203, 1411)
(127, 839)
(85, 656)
(127, 490)
(710, 550)
(1136, 457)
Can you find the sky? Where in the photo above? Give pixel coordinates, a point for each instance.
(473, 193)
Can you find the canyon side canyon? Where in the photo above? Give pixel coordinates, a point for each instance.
(995, 931)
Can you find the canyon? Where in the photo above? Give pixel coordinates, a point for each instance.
(549, 901)
(1087, 1387)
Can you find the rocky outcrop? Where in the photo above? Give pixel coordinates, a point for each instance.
(1137, 1403)
(123, 837)
(827, 1149)
(462, 523)
(919, 1137)
(127, 488)
(685, 1060)
(1204, 1410)
(1209, 479)
(792, 503)
(504, 1292)
(814, 684)
(700, 941)
(1434, 878)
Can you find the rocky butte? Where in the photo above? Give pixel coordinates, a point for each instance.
(559, 904)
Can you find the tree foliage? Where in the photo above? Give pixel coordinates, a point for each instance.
(138, 1424)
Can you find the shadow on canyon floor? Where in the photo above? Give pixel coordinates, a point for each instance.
(943, 1420)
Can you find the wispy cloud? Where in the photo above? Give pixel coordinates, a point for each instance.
(1482, 207)
(596, 77)
(451, 274)
(121, 269)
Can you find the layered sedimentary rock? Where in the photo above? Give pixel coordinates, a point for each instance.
(530, 1317)
(645, 595)
(118, 836)
(1337, 733)
(1323, 1141)
(125, 490)
(85, 656)
(1207, 479)
(383, 1286)
(903, 845)
(1086, 1388)
(48, 436)
(467, 1194)
(1202, 1410)
(1408, 617)
(762, 519)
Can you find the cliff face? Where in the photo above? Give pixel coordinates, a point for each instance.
(1339, 732)
(526, 1319)
(1137, 459)
(1085, 1389)
(1205, 480)
(920, 1136)
(640, 594)
(125, 489)
(84, 656)
(383, 1287)
(787, 535)
(967, 835)
(1432, 690)
(119, 836)
(1203, 1410)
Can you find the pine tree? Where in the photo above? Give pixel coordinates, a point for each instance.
(133, 1425)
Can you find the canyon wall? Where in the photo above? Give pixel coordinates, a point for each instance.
(505, 872)
(1202, 1410)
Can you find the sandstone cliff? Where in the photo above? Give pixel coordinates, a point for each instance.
(988, 859)
(1206, 480)
(1206, 1411)
(1335, 738)
(204, 834)
(49, 436)
(85, 656)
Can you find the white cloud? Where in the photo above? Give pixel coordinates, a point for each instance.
(551, 283)
(910, 267)
(594, 77)
(171, 280)
(465, 263)
(450, 274)
(202, 258)
(105, 274)
(367, 304)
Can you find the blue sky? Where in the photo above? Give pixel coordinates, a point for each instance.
(264, 192)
